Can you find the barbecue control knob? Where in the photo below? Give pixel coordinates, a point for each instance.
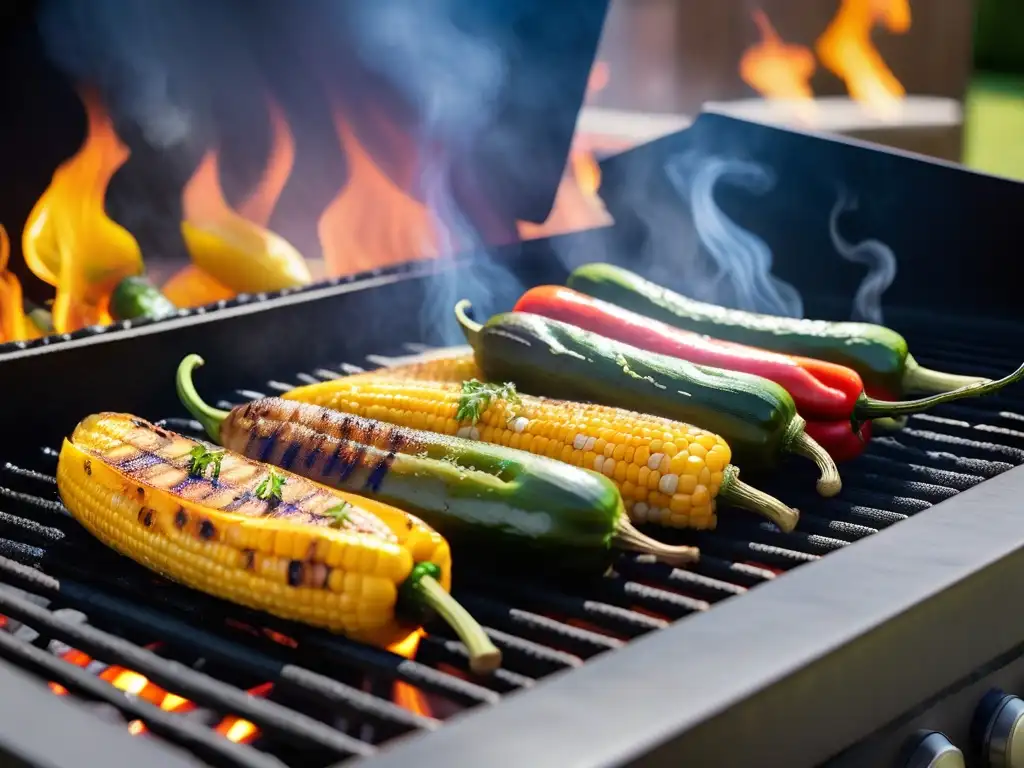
(931, 749)
(999, 730)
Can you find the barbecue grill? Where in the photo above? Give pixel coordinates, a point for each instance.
(875, 634)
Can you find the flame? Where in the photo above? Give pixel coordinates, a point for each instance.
(577, 203)
(259, 205)
(372, 222)
(845, 48)
(69, 241)
(14, 325)
(192, 287)
(779, 70)
(405, 695)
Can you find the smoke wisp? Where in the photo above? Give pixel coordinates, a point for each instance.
(454, 79)
(875, 255)
(741, 275)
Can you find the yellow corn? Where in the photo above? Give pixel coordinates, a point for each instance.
(130, 484)
(667, 472)
(455, 368)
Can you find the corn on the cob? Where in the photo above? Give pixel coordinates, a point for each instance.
(270, 540)
(668, 472)
(457, 368)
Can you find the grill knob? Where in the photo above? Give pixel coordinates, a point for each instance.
(1000, 730)
(931, 749)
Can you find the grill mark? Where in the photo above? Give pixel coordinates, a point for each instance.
(353, 460)
(380, 472)
(250, 558)
(238, 501)
(334, 459)
(395, 442)
(290, 454)
(136, 464)
(296, 573)
(140, 458)
(270, 442)
(315, 451)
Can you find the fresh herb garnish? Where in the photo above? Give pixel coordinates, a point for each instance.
(202, 457)
(339, 513)
(477, 397)
(271, 487)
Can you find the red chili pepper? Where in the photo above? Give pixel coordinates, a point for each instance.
(831, 397)
(839, 439)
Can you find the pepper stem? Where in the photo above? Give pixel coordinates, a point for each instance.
(470, 328)
(869, 408)
(926, 381)
(802, 444)
(741, 495)
(422, 587)
(630, 539)
(211, 418)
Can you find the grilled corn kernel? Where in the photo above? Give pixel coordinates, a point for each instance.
(451, 368)
(658, 475)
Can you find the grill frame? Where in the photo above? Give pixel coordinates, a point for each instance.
(804, 650)
(941, 572)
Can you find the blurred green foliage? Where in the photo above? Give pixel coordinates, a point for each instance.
(999, 35)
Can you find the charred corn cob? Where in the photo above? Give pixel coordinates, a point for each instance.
(486, 498)
(667, 472)
(240, 530)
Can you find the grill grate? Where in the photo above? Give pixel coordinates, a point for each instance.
(318, 698)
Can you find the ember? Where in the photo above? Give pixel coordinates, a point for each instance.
(233, 728)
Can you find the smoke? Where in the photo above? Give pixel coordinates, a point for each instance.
(741, 272)
(453, 78)
(873, 254)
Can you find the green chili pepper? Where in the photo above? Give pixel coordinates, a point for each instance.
(137, 297)
(878, 354)
(482, 498)
(755, 416)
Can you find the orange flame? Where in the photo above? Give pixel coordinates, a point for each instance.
(845, 48)
(14, 326)
(259, 205)
(69, 241)
(405, 695)
(779, 70)
(577, 203)
(372, 222)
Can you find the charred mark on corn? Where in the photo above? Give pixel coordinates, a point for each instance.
(234, 545)
(296, 571)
